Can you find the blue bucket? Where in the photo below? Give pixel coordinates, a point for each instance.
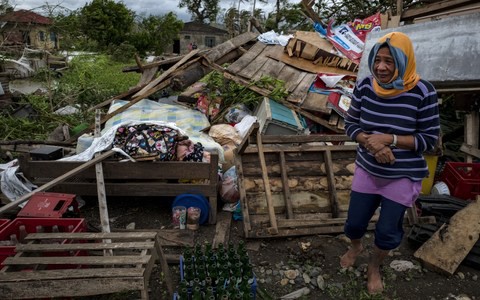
(194, 200)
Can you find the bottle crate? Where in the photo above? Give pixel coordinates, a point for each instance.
(13, 228)
(463, 179)
(253, 284)
(4, 222)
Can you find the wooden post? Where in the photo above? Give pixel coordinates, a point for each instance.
(286, 188)
(331, 183)
(471, 132)
(266, 183)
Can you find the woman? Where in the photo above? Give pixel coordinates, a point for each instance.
(394, 118)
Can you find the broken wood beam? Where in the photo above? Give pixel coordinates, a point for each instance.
(222, 229)
(452, 242)
(225, 52)
(164, 75)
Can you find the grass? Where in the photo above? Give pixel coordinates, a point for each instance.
(88, 81)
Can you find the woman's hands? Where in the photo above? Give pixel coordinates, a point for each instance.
(378, 145)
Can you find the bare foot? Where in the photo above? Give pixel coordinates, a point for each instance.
(374, 283)
(349, 258)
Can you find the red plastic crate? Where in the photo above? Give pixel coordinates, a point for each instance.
(462, 179)
(3, 222)
(49, 205)
(30, 226)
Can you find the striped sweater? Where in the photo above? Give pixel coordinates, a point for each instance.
(411, 113)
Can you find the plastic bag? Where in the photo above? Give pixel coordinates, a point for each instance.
(236, 113)
(229, 189)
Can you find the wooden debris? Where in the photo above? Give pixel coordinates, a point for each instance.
(222, 229)
(447, 248)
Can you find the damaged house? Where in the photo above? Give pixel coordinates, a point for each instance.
(25, 28)
(199, 34)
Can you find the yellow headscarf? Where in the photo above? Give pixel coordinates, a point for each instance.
(405, 76)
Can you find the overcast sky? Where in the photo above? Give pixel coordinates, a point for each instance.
(158, 7)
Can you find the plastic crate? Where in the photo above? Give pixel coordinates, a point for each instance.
(253, 286)
(3, 223)
(78, 225)
(49, 205)
(463, 179)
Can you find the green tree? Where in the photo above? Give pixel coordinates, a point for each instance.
(5, 7)
(205, 11)
(155, 33)
(288, 17)
(347, 10)
(106, 22)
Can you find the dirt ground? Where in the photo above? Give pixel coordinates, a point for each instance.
(316, 264)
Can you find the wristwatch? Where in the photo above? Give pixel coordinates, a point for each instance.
(394, 142)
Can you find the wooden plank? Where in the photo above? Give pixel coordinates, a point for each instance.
(101, 195)
(140, 189)
(300, 92)
(122, 170)
(451, 243)
(56, 181)
(268, 70)
(290, 76)
(82, 246)
(147, 76)
(247, 58)
(222, 229)
(433, 8)
(294, 139)
(470, 150)
(164, 265)
(286, 188)
(315, 222)
(212, 196)
(77, 260)
(93, 235)
(284, 232)
(170, 237)
(266, 184)
(312, 117)
(472, 132)
(300, 148)
(70, 287)
(331, 183)
(255, 65)
(309, 66)
(241, 189)
(167, 73)
(70, 273)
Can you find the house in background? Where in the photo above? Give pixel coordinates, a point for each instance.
(26, 28)
(199, 34)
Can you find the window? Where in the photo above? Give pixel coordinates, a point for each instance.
(187, 37)
(41, 36)
(210, 41)
(52, 36)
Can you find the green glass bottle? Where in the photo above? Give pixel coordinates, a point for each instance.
(208, 249)
(197, 294)
(241, 247)
(183, 294)
(209, 293)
